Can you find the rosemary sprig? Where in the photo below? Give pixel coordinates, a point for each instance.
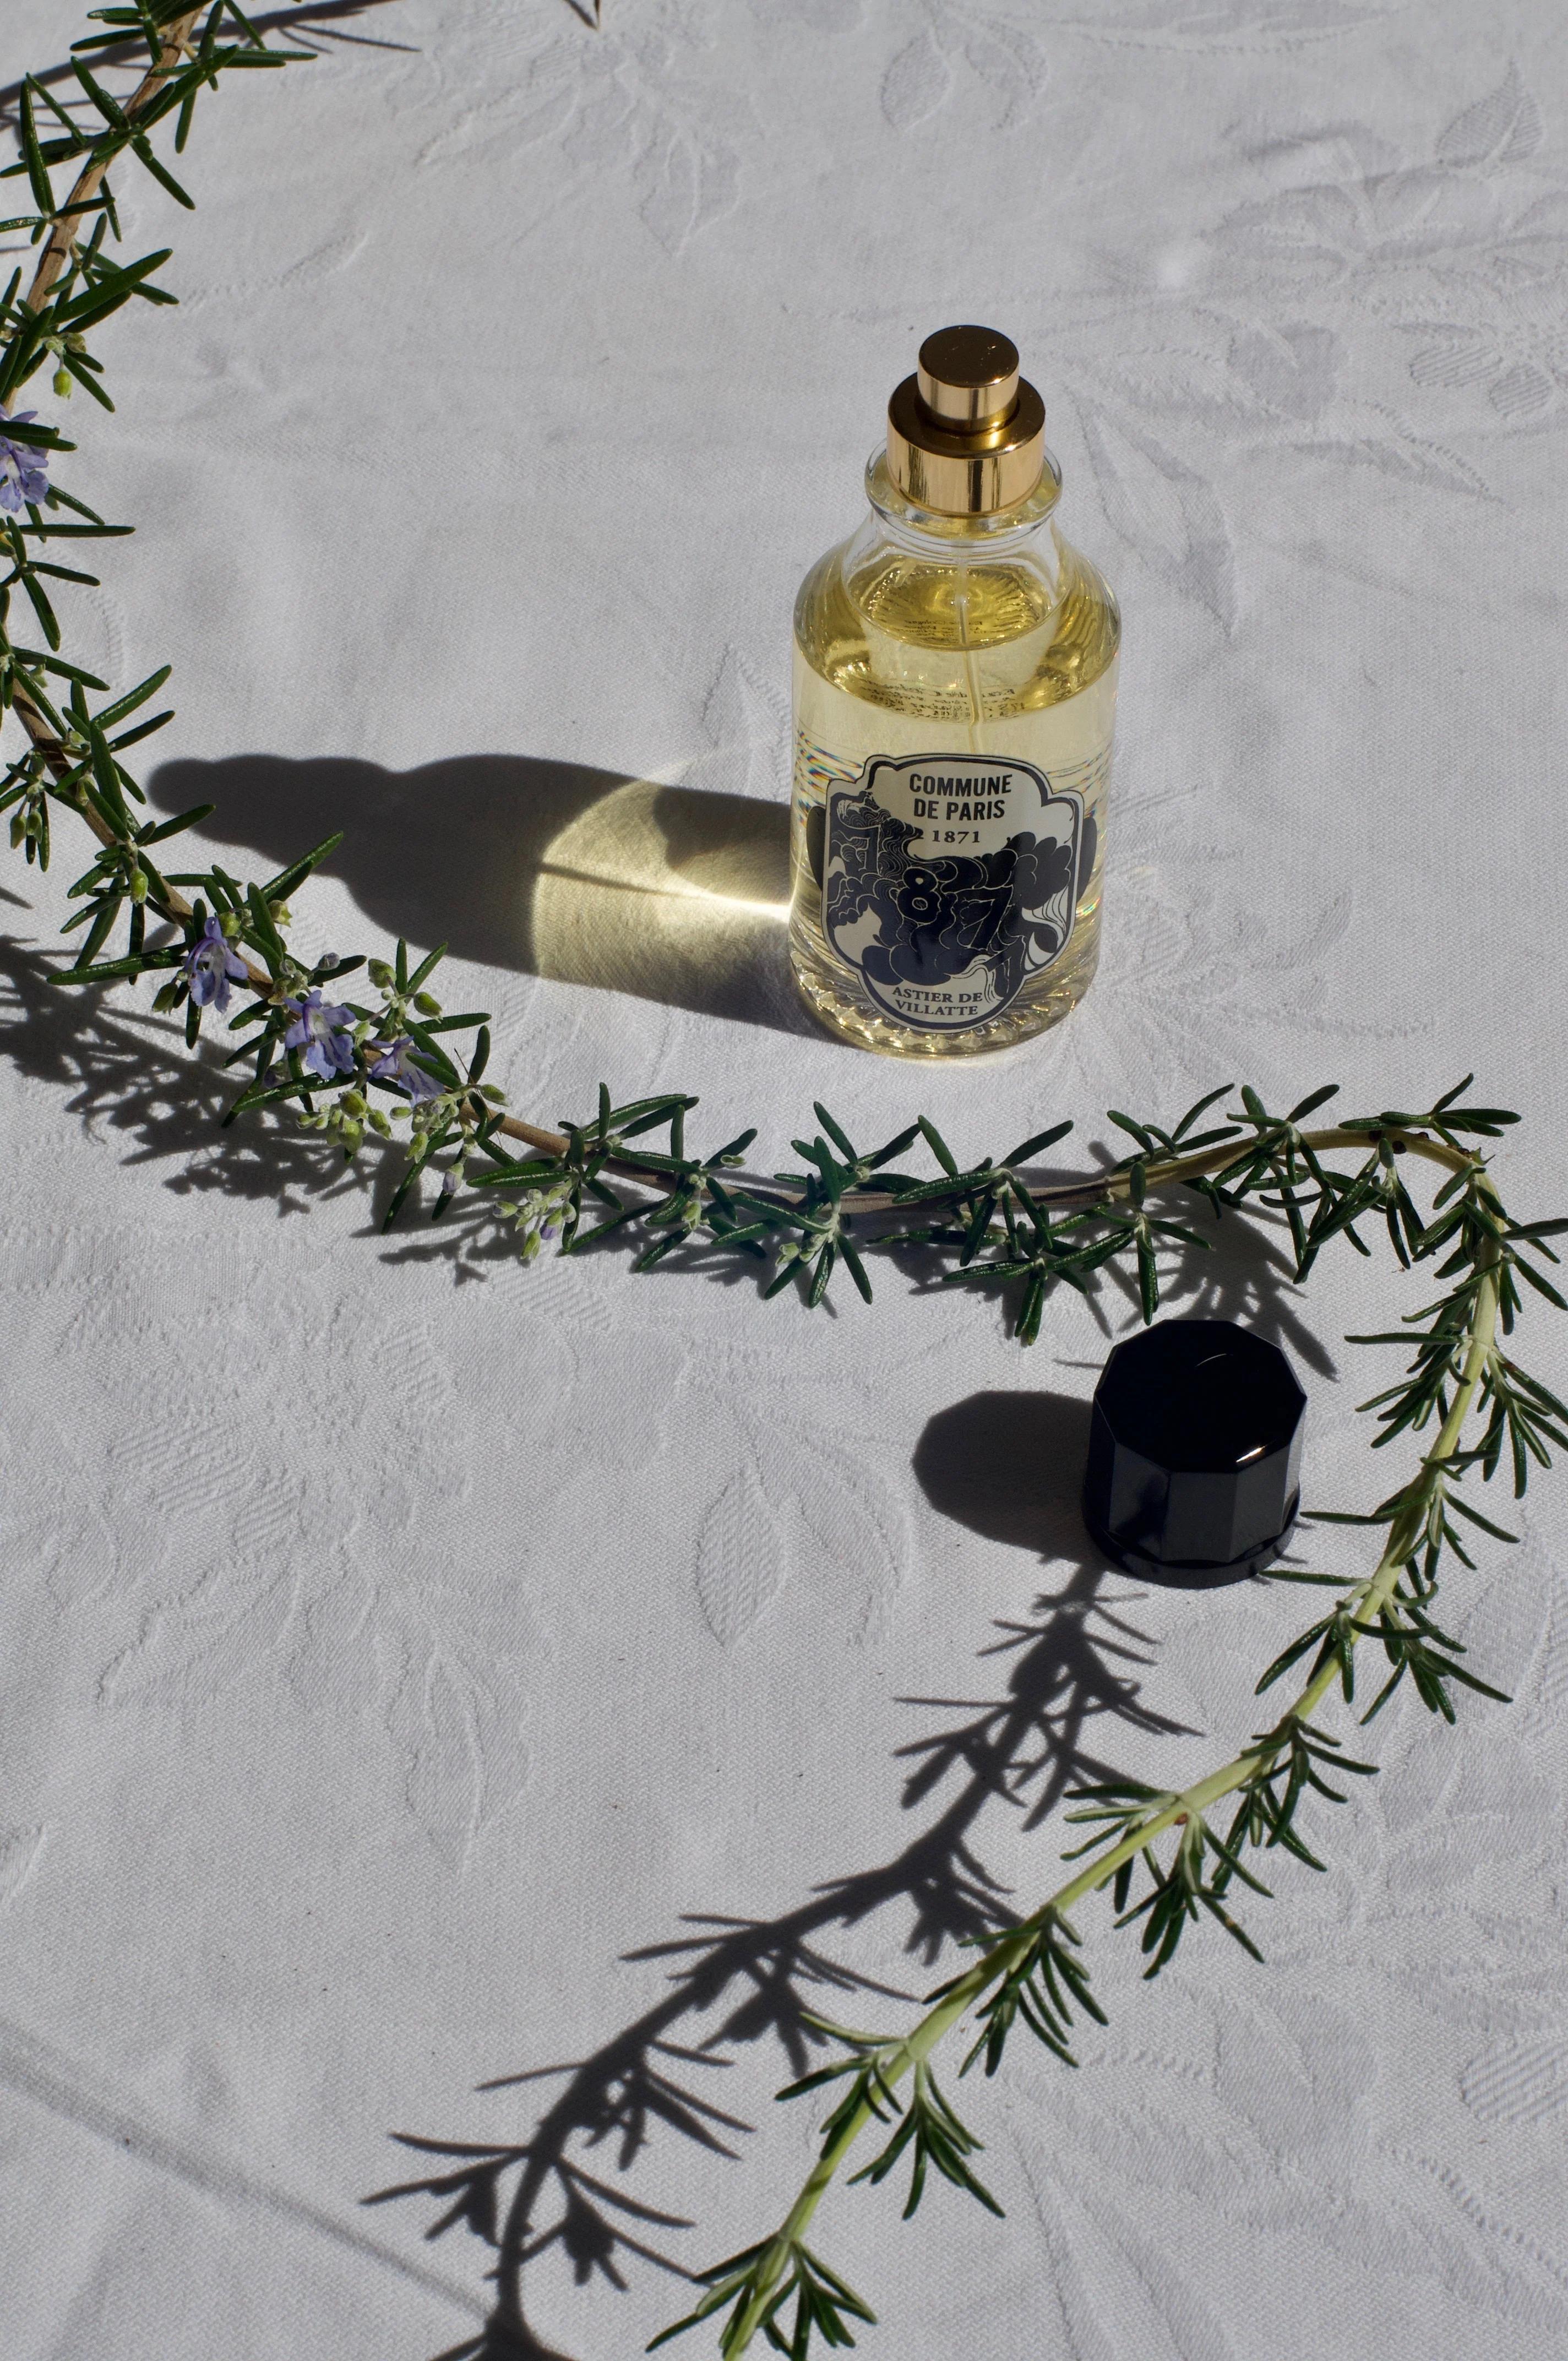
(1188, 1863)
(350, 1068)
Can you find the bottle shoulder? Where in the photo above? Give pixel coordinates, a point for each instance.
(883, 622)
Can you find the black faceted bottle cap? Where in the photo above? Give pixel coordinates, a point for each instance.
(1194, 1453)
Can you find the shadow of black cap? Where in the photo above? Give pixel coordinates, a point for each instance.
(1194, 1453)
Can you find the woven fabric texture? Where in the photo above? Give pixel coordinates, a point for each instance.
(416, 1669)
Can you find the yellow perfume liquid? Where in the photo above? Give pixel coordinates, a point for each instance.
(955, 680)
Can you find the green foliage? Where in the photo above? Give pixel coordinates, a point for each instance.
(1040, 1982)
(352, 1069)
(1169, 1863)
(924, 2124)
(758, 2287)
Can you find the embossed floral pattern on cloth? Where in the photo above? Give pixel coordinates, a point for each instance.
(425, 1670)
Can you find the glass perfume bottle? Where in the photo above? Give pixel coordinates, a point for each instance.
(955, 688)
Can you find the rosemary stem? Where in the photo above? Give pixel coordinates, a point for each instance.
(1368, 1599)
(64, 229)
(805, 1221)
(1172, 1172)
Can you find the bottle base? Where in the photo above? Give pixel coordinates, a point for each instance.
(857, 1021)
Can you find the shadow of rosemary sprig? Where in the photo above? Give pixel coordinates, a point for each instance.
(353, 1069)
(1188, 1862)
(1074, 1668)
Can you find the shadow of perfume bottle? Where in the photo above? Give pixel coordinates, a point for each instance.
(673, 894)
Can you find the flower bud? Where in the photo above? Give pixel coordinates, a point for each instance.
(427, 1005)
(138, 885)
(62, 383)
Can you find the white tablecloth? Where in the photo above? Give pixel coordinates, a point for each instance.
(398, 1641)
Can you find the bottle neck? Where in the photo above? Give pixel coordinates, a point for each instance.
(1023, 530)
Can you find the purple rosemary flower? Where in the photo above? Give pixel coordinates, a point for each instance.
(320, 1031)
(23, 466)
(395, 1067)
(211, 965)
(539, 1217)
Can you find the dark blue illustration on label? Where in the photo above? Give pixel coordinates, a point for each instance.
(948, 881)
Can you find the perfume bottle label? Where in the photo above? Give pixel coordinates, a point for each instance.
(948, 881)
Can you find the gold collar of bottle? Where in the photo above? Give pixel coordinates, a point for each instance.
(966, 435)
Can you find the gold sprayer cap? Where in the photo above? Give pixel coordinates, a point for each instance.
(966, 434)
